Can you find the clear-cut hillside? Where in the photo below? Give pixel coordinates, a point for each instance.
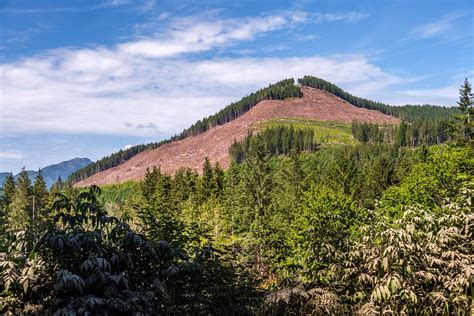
(191, 151)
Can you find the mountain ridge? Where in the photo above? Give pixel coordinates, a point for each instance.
(51, 173)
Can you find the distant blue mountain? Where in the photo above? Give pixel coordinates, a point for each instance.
(51, 173)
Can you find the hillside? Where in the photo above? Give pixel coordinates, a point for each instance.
(190, 152)
(285, 89)
(51, 173)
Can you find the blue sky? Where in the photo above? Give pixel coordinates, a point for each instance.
(86, 78)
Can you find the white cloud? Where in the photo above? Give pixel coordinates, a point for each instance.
(11, 155)
(110, 92)
(148, 87)
(128, 146)
(441, 96)
(193, 35)
(436, 28)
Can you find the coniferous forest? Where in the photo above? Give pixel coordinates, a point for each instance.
(381, 226)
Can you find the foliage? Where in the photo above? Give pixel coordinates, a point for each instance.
(381, 225)
(280, 140)
(422, 265)
(442, 173)
(320, 227)
(103, 267)
(463, 130)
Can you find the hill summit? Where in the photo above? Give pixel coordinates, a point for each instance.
(314, 104)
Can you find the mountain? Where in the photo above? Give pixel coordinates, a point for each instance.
(314, 104)
(51, 173)
(417, 115)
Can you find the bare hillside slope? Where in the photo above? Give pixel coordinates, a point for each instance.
(190, 152)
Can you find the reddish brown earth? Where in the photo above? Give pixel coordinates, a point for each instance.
(191, 151)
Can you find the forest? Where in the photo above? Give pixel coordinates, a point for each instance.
(384, 225)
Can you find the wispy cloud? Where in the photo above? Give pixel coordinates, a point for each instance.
(11, 155)
(141, 5)
(154, 81)
(201, 33)
(95, 91)
(19, 38)
(436, 28)
(335, 17)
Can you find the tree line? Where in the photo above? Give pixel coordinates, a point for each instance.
(406, 112)
(279, 140)
(415, 133)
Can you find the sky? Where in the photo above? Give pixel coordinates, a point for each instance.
(83, 78)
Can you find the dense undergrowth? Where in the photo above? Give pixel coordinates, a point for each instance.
(347, 228)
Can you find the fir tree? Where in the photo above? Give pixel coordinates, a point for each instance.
(207, 180)
(465, 97)
(40, 193)
(20, 211)
(464, 131)
(8, 191)
(218, 175)
(257, 178)
(59, 185)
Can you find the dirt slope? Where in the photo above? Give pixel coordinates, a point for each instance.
(190, 152)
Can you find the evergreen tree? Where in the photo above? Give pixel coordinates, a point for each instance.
(258, 179)
(464, 129)
(59, 185)
(218, 175)
(465, 96)
(20, 211)
(149, 184)
(296, 175)
(207, 180)
(40, 194)
(8, 191)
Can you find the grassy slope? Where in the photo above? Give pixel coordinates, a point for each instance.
(326, 132)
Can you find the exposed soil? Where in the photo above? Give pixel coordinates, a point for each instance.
(191, 151)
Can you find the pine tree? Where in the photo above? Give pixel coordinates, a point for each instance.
(232, 196)
(207, 180)
(296, 175)
(148, 186)
(218, 175)
(8, 191)
(465, 96)
(40, 193)
(464, 130)
(20, 211)
(59, 185)
(258, 178)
